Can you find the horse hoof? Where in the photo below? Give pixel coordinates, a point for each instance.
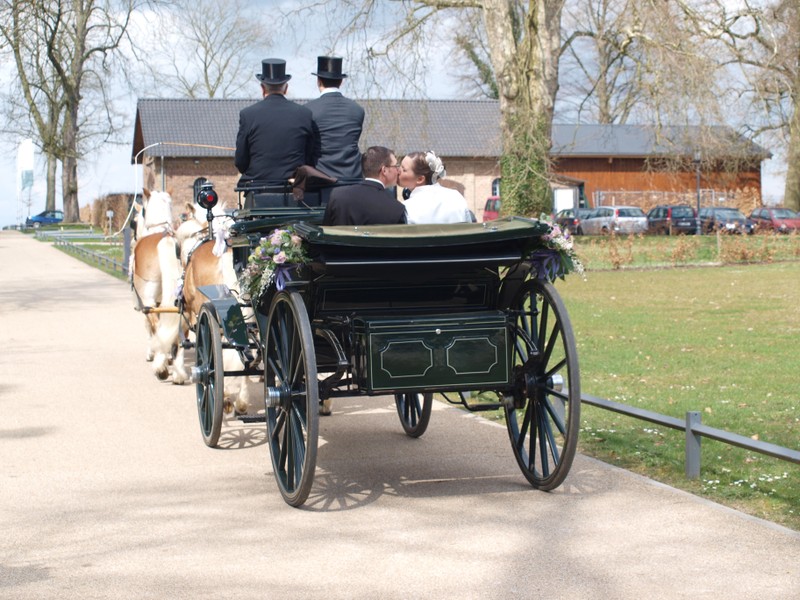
(162, 375)
(326, 407)
(227, 407)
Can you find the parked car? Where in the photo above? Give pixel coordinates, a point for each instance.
(47, 217)
(492, 208)
(614, 219)
(670, 219)
(725, 219)
(569, 219)
(776, 218)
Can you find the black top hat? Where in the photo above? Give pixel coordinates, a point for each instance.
(273, 71)
(329, 67)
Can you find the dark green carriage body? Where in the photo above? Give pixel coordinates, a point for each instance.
(410, 307)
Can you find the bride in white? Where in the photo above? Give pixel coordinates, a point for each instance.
(430, 202)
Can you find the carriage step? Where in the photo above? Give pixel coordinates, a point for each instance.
(251, 418)
(478, 406)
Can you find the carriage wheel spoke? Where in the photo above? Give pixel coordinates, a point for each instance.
(557, 419)
(541, 435)
(551, 343)
(543, 318)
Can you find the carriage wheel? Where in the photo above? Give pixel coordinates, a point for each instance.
(292, 396)
(210, 376)
(544, 419)
(414, 416)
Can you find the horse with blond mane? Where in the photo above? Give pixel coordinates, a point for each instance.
(155, 271)
(207, 261)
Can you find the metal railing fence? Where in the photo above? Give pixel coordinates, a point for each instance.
(93, 257)
(695, 430)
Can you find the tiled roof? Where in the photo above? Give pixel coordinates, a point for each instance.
(452, 128)
(641, 141)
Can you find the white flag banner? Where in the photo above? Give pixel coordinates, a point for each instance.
(25, 164)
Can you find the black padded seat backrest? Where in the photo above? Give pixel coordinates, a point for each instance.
(313, 198)
(269, 200)
(286, 199)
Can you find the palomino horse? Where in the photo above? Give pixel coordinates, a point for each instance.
(209, 262)
(155, 271)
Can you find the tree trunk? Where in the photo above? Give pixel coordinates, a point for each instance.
(50, 195)
(69, 167)
(526, 66)
(791, 191)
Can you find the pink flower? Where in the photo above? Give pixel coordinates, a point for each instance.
(280, 258)
(296, 240)
(276, 238)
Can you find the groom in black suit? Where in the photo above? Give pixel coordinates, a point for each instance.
(275, 135)
(337, 124)
(368, 202)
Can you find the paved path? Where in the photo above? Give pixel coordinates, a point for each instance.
(107, 491)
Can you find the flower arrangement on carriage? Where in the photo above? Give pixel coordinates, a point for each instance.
(557, 257)
(273, 260)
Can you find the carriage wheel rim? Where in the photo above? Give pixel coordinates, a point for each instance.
(209, 386)
(543, 424)
(292, 426)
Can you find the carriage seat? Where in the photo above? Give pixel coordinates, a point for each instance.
(284, 198)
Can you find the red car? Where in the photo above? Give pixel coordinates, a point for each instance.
(492, 209)
(776, 218)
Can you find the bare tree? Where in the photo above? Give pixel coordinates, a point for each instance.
(645, 62)
(763, 39)
(523, 40)
(34, 103)
(602, 63)
(205, 48)
(76, 43)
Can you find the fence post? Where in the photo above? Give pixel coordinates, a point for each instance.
(126, 251)
(693, 441)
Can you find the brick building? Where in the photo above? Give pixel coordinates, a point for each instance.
(182, 141)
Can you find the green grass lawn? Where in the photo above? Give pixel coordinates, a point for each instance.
(720, 340)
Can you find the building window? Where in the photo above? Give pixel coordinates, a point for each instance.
(496, 187)
(196, 187)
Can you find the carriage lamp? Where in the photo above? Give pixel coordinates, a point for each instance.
(207, 197)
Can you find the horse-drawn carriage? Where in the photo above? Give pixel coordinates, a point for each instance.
(404, 310)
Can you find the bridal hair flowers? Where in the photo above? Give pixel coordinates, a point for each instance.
(436, 166)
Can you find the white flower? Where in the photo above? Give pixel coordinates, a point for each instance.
(436, 165)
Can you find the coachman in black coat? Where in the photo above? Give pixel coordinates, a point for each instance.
(275, 135)
(337, 124)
